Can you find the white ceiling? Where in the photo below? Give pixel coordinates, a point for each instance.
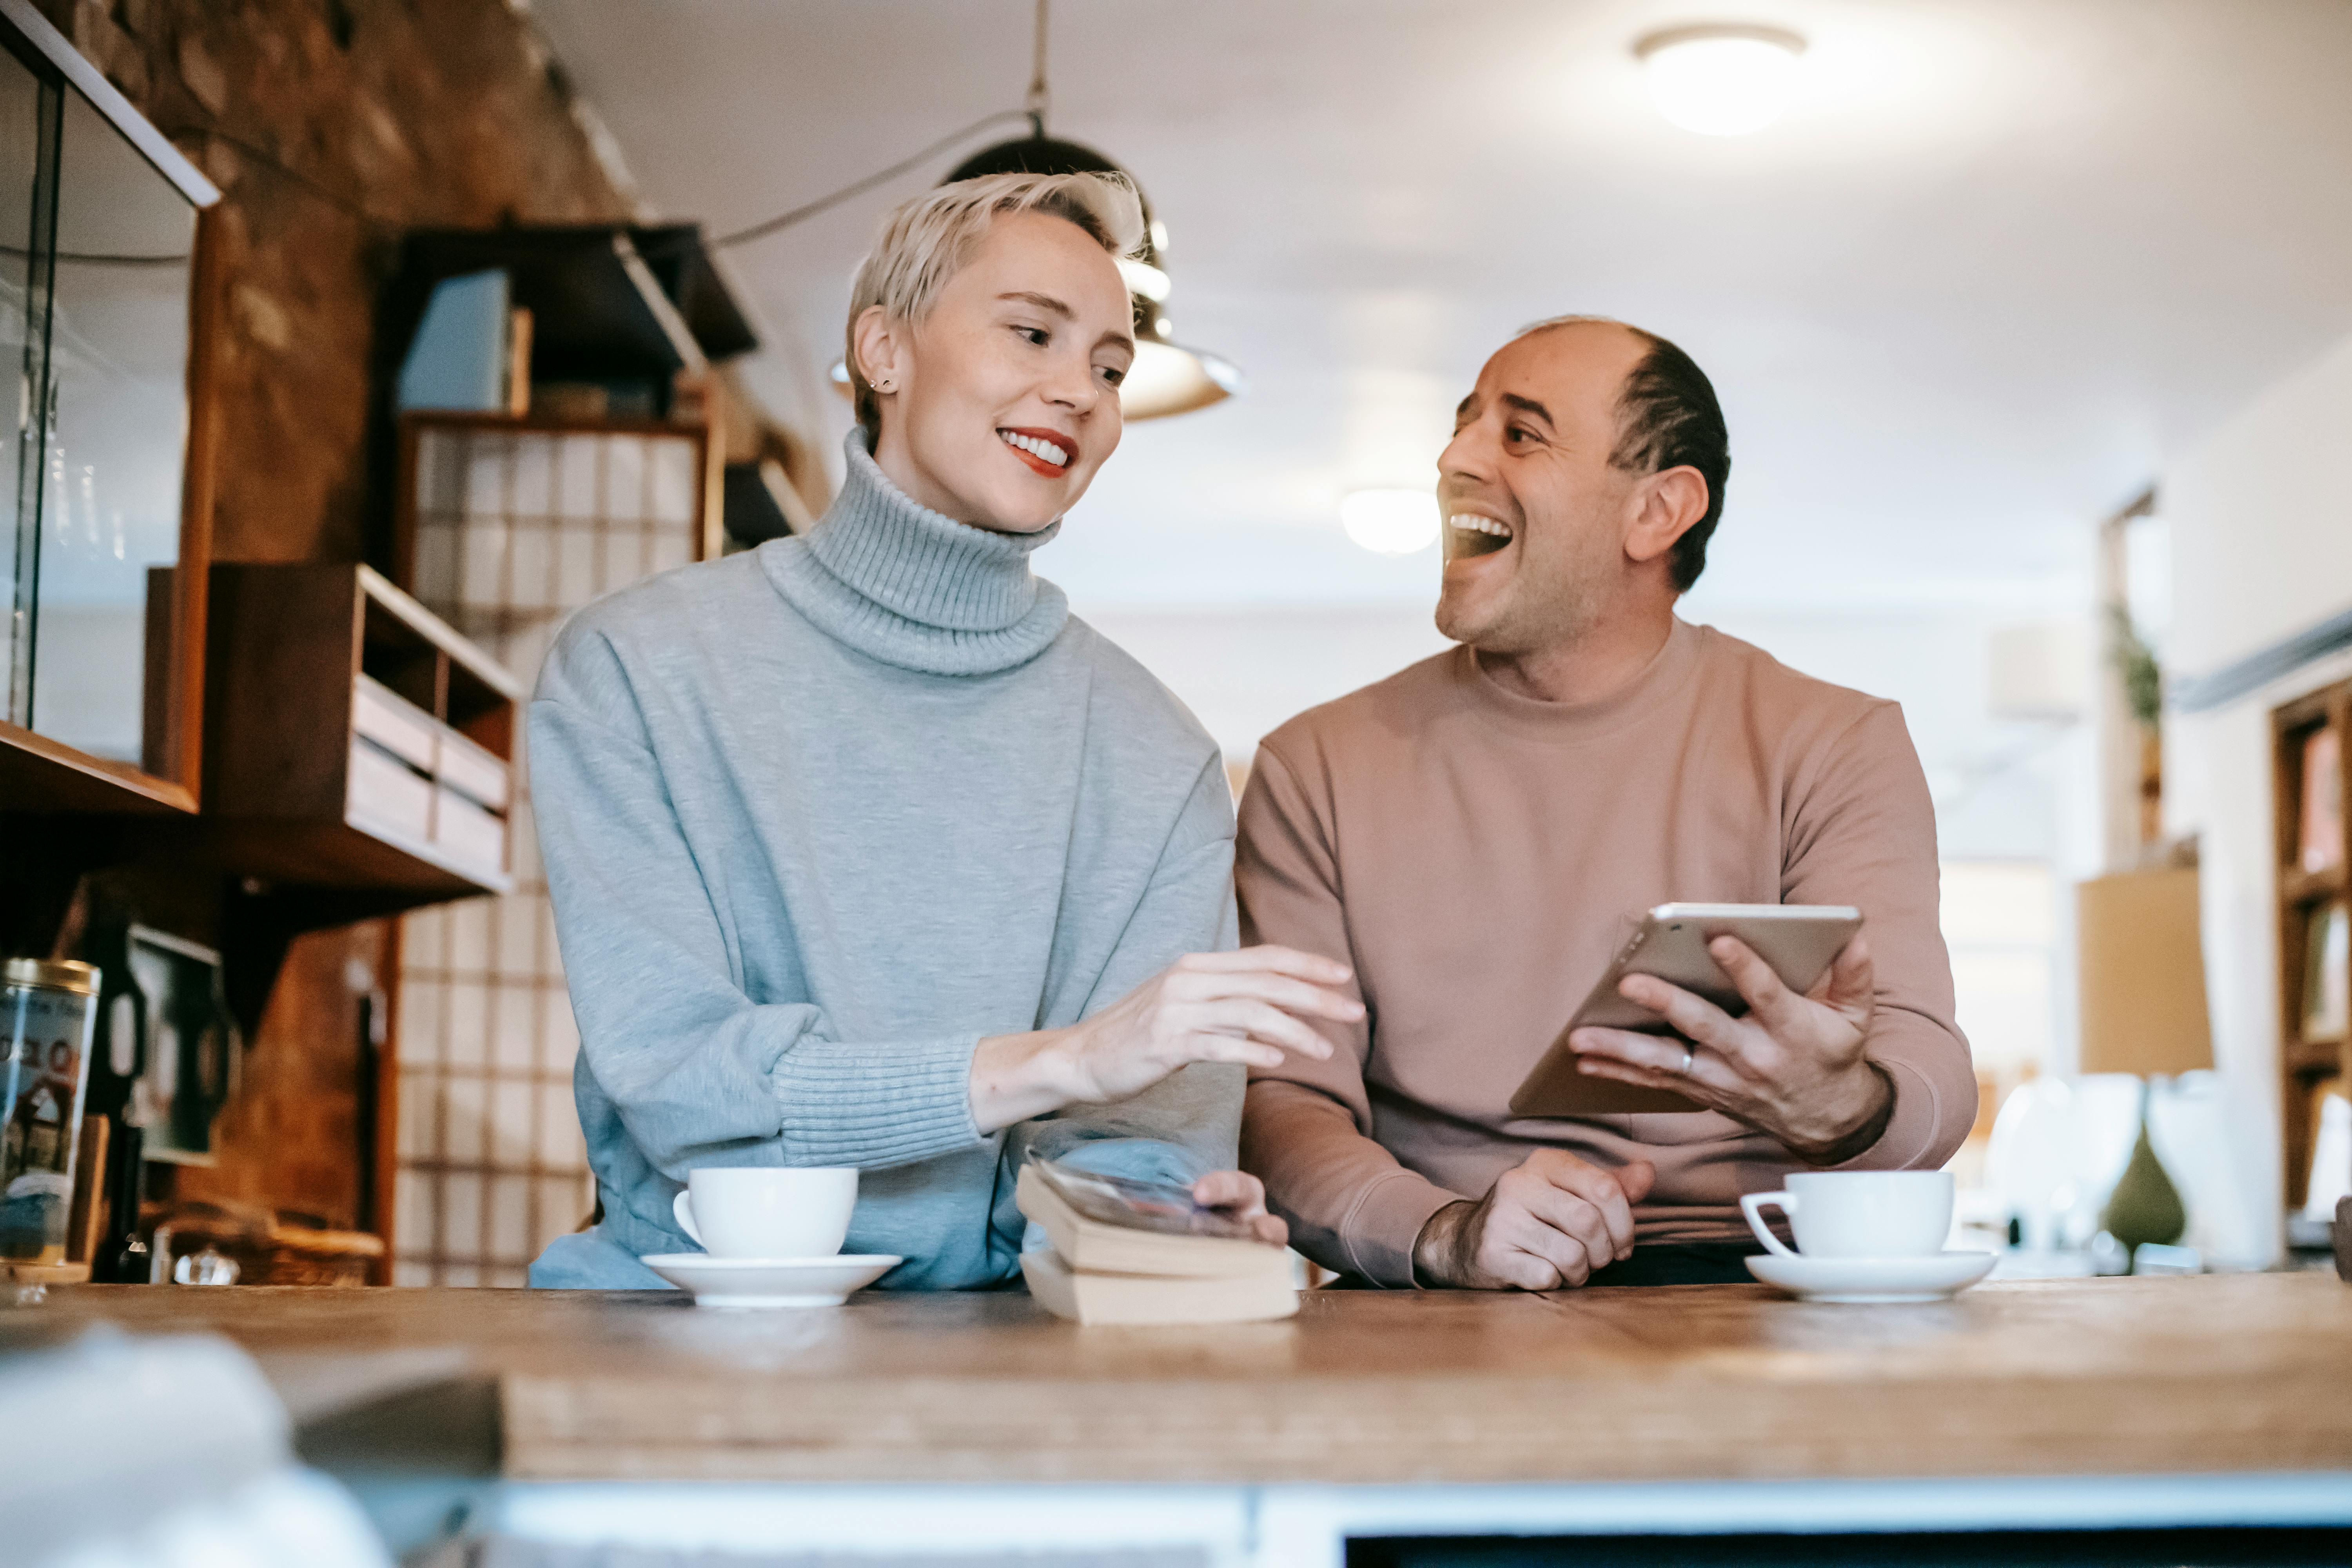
(2002, 258)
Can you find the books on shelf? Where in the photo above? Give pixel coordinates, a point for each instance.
(1143, 1253)
(2328, 973)
(2319, 837)
(2331, 1158)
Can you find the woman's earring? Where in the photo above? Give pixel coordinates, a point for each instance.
(882, 386)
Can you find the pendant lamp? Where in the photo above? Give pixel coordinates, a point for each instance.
(1167, 377)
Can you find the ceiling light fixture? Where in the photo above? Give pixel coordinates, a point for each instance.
(1167, 377)
(1721, 79)
(1389, 521)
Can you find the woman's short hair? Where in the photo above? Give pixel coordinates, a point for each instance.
(926, 240)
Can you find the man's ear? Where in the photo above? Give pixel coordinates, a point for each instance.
(1666, 507)
(878, 349)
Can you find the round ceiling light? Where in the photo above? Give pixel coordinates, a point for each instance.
(1721, 80)
(1390, 521)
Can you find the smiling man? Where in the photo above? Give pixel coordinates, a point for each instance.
(1477, 835)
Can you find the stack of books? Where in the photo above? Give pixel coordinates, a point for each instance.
(1144, 1253)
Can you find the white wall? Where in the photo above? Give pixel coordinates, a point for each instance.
(2262, 541)
(1243, 672)
(2261, 519)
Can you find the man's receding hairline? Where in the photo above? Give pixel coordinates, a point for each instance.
(1557, 323)
(1648, 342)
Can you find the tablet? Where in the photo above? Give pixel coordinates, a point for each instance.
(1799, 940)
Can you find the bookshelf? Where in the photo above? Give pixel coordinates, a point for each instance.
(2312, 793)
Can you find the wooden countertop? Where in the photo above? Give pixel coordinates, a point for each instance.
(2212, 1373)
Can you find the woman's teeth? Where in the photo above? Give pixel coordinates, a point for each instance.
(1045, 450)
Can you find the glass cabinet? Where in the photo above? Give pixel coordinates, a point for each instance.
(102, 507)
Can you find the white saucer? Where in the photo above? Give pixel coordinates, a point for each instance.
(743, 1282)
(1873, 1279)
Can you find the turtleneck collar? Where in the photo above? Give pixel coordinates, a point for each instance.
(913, 587)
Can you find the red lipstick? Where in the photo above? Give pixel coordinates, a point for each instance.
(1038, 448)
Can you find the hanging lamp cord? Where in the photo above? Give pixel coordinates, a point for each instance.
(1038, 104)
(1041, 95)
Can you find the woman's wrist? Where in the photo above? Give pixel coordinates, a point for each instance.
(1016, 1077)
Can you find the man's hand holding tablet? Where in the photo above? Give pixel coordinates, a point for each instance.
(1793, 1066)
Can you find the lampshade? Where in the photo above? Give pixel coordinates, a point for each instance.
(2142, 972)
(1167, 377)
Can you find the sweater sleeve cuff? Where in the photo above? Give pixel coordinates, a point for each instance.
(1910, 1133)
(1380, 1231)
(851, 1104)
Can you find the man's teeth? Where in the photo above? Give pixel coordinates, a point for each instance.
(1036, 448)
(1471, 522)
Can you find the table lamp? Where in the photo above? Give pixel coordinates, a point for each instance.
(2142, 985)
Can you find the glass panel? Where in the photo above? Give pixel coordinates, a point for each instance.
(110, 528)
(28, 148)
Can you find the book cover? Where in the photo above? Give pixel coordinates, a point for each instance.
(2320, 834)
(1097, 1227)
(458, 357)
(2327, 974)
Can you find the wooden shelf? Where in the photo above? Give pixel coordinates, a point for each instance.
(2308, 1069)
(608, 301)
(358, 749)
(2298, 885)
(38, 774)
(2308, 1058)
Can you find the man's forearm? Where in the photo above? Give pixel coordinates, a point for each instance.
(1437, 1259)
(1352, 1207)
(1877, 1110)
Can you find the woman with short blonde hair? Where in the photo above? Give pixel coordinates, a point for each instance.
(864, 850)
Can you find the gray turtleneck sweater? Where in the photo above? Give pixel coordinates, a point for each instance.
(818, 817)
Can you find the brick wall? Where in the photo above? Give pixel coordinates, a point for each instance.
(331, 125)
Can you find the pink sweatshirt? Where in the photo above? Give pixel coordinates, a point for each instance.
(1479, 856)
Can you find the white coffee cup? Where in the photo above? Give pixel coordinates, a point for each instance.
(1859, 1214)
(768, 1211)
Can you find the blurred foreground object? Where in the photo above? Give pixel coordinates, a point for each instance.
(166, 1453)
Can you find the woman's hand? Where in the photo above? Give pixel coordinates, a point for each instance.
(1241, 1195)
(1244, 1006)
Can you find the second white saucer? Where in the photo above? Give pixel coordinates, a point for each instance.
(1873, 1279)
(746, 1282)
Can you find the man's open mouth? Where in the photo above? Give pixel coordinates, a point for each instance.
(1045, 452)
(1469, 533)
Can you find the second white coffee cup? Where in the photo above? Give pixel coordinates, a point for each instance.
(1859, 1214)
(768, 1211)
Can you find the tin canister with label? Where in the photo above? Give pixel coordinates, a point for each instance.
(47, 1007)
